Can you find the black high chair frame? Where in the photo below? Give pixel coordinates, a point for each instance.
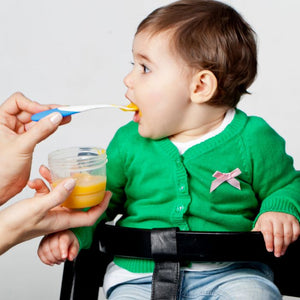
(169, 248)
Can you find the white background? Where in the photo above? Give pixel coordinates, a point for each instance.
(77, 52)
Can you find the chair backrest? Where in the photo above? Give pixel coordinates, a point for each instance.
(83, 278)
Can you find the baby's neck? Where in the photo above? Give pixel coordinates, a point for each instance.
(206, 125)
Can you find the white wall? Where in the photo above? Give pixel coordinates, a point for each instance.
(76, 52)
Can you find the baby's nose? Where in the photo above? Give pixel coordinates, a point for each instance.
(128, 80)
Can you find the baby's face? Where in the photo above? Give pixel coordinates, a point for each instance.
(159, 85)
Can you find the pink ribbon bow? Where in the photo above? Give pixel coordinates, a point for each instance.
(229, 177)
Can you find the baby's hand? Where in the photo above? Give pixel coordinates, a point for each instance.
(57, 247)
(279, 230)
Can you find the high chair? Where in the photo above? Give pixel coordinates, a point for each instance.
(169, 248)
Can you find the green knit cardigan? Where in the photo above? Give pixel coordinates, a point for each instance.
(154, 186)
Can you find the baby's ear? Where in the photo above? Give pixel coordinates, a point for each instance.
(203, 86)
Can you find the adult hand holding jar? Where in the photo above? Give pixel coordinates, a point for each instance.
(39, 215)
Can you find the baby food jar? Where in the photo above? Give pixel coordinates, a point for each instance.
(87, 165)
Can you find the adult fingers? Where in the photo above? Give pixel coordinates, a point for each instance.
(39, 186)
(39, 132)
(18, 103)
(29, 124)
(45, 173)
(59, 194)
(88, 218)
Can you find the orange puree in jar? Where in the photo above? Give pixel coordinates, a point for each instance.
(89, 190)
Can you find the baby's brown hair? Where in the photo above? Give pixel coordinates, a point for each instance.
(210, 35)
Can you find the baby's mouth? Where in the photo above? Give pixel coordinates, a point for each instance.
(137, 116)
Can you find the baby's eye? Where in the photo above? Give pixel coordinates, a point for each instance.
(145, 69)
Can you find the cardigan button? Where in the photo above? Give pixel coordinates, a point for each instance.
(179, 208)
(178, 163)
(182, 189)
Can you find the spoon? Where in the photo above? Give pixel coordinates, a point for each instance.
(72, 109)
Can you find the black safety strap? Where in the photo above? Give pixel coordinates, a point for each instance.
(166, 275)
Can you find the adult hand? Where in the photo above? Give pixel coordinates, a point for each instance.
(18, 137)
(41, 215)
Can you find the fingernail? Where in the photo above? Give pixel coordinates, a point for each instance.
(70, 184)
(56, 118)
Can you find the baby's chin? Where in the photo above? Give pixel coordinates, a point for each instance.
(150, 135)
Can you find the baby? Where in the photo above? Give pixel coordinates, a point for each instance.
(191, 159)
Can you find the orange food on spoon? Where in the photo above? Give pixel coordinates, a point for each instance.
(132, 107)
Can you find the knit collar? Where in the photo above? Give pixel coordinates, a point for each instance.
(233, 129)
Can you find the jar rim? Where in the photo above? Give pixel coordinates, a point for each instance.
(88, 157)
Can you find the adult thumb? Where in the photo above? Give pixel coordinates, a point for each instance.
(40, 131)
(60, 193)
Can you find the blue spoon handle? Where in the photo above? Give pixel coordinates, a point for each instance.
(42, 114)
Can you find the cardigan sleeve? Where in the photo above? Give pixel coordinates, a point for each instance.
(116, 177)
(115, 184)
(275, 181)
(85, 234)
